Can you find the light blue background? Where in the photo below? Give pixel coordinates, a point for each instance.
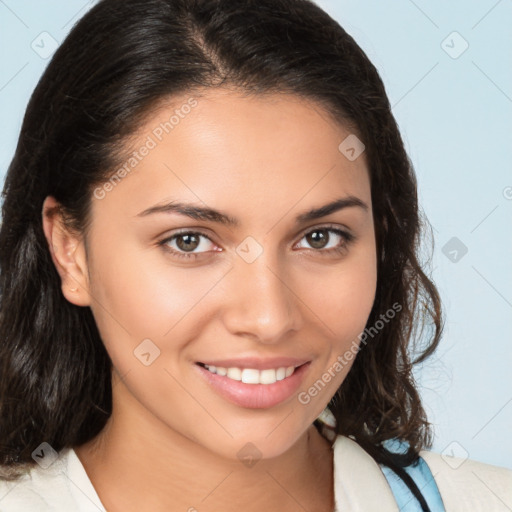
(455, 115)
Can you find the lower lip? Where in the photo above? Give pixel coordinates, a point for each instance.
(255, 396)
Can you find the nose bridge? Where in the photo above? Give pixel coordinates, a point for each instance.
(263, 304)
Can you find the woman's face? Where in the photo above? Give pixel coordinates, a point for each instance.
(204, 251)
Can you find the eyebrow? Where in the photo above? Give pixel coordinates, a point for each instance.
(209, 214)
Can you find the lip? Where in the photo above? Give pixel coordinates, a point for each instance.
(254, 396)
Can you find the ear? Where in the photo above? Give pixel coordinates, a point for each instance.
(68, 254)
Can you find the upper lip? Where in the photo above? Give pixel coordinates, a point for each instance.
(256, 363)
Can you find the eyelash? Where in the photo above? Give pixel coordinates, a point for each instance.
(347, 239)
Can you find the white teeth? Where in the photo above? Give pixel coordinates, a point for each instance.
(251, 375)
(267, 376)
(234, 373)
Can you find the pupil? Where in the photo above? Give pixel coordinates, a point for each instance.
(183, 240)
(317, 239)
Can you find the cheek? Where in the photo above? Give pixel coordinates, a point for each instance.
(342, 299)
(342, 304)
(138, 294)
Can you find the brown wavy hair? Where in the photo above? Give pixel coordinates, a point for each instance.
(121, 60)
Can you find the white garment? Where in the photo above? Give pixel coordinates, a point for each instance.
(465, 485)
(62, 487)
(359, 485)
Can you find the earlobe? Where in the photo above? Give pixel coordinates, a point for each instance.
(68, 254)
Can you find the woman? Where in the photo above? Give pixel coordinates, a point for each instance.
(209, 274)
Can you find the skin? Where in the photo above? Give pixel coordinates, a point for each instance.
(172, 441)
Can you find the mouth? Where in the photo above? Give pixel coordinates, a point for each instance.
(254, 388)
(252, 375)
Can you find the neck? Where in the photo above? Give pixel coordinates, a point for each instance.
(136, 452)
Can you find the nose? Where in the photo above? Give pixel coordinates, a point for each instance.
(262, 303)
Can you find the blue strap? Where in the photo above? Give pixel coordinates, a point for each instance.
(422, 476)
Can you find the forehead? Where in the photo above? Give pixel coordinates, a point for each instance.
(222, 148)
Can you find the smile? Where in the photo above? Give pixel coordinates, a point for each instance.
(254, 388)
(252, 375)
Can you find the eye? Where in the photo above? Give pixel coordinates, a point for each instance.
(184, 243)
(328, 239)
(325, 240)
